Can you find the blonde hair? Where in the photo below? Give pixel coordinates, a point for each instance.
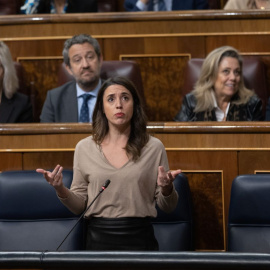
(209, 71)
(10, 80)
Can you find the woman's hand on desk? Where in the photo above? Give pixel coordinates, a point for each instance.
(165, 180)
(55, 179)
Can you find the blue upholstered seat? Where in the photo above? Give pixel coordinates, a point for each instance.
(174, 231)
(31, 215)
(249, 214)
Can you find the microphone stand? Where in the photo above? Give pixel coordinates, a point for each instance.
(101, 190)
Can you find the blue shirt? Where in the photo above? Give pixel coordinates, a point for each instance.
(91, 101)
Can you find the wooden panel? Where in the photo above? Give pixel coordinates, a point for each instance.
(161, 84)
(207, 198)
(41, 75)
(41, 142)
(244, 43)
(225, 161)
(10, 161)
(251, 161)
(47, 160)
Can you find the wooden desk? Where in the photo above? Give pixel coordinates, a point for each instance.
(161, 42)
(211, 154)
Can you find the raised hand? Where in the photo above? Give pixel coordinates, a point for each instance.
(165, 180)
(55, 179)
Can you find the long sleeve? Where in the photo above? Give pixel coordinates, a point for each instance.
(186, 112)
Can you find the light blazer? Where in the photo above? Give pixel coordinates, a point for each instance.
(18, 109)
(61, 105)
(130, 5)
(236, 4)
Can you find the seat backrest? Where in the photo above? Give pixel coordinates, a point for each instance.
(254, 72)
(174, 231)
(31, 216)
(249, 214)
(21, 77)
(27, 90)
(8, 7)
(214, 4)
(128, 69)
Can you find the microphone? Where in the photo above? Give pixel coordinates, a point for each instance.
(106, 184)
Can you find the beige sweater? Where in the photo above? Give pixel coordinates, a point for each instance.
(237, 4)
(133, 190)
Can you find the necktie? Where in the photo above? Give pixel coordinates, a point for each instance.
(161, 5)
(84, 113)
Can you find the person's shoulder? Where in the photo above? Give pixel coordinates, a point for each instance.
(20, 99)
(20, 96)
(236, 4)
(68, 85)
(254, 99)
(155, 142)
(190, 98)
(86, 141)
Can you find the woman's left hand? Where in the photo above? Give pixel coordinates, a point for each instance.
(165, 180)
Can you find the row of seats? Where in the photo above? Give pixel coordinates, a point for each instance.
(8, 7)
(254, 72)
(32, 217)
(128, 69)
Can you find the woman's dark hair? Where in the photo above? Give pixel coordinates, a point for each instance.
(138, 132)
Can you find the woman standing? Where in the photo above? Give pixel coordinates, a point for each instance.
(121, 150)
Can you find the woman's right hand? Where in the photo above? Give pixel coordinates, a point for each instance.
(55, 179)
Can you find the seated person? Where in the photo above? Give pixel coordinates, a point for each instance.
(136, 163)
(156, 5)
(247, 4)
(220, 93)
(14, 107)
(58, 6)
(75, 100)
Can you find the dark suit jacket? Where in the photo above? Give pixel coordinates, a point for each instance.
(130, 5)
(61, 105)
(267, 118)
(251, 111)
(18, 109)
(74, 6)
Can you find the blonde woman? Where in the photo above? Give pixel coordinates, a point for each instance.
(220, 93)
(14, 107)
(247, 4)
